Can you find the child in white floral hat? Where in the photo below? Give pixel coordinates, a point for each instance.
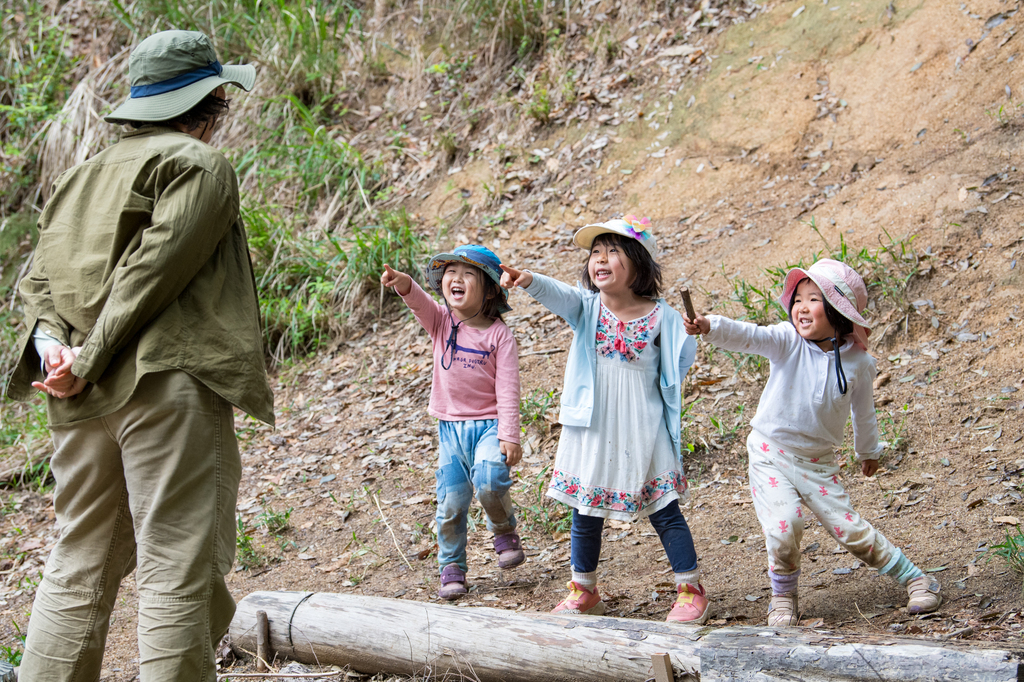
(820, 373)
(619, 456)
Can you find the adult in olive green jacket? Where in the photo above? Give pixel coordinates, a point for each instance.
(144, 331)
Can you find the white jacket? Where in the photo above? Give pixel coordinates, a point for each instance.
(801, 406)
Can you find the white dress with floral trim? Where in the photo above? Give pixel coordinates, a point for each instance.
(623, 466)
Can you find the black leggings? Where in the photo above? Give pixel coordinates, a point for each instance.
(668, 522)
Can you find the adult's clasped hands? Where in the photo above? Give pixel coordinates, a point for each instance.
(59, 381)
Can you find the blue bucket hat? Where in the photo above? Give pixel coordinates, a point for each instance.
(473, 254)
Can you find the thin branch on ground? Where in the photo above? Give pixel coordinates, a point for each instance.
(390, 530)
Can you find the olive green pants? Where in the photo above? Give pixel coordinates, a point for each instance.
(154, 485)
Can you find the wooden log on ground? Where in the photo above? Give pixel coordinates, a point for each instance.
(373, 634)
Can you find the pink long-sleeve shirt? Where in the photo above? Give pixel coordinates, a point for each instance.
(483, 380)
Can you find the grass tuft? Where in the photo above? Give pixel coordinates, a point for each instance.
(510, 28)
(534, 407)
(35, 60)
(887, 272)
(538, 512)
(12, 653)
(301, 43)
(391, 240)
(1011, 552)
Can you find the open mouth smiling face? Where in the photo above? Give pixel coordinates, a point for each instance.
(463, 287)
(609, 268)
(808, 312)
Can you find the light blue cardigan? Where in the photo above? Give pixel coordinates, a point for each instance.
(581, 308)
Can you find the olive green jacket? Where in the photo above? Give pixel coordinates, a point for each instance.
(143, 262)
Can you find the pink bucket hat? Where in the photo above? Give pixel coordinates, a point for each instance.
(843, 288)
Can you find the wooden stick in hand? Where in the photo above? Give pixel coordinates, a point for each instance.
(688, 304)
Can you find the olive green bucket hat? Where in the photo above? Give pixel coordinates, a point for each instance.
(171, 72)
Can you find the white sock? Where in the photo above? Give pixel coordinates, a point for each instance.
(587, 580)
(688, 578)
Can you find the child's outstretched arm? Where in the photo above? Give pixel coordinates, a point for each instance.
(773, 341)
(428, 312)
(511, 278)
(401, 282)
(558, 297)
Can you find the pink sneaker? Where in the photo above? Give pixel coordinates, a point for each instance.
(691, 605)
(581, 601)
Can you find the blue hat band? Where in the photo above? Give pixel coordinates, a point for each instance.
(178, 82)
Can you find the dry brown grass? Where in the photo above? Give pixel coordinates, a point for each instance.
(79, 131)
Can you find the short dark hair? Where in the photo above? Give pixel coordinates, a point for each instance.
(840, 324)
(208, 108)
(492, 305)
(648, 272)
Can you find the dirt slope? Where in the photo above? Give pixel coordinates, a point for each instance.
(883, 123)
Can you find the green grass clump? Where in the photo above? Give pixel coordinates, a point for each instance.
(537, 511)
(34, 63)
(294, 154)
(295, 276)
(273, 522)
(892, 428)
(247, 555)
(310, 287)
(300, 43)
(540, 105)
(250, 553)
(12, 653)
(1010, 551)
(534, 407)
(887, 272)
(390, 240)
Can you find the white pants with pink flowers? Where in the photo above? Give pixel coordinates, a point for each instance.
(785, 485)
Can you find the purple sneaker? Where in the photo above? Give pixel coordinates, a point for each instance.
(509, 549)
(453, 582)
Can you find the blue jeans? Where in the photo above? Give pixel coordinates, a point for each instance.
(585, 548)
(469, 457)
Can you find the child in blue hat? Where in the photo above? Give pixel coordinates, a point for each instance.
(475, 396)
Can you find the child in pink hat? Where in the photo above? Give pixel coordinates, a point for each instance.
(820, 373)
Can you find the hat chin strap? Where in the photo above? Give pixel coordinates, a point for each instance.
(840, 374)
(454, 334)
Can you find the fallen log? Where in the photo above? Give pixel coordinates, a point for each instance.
(373, 634)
